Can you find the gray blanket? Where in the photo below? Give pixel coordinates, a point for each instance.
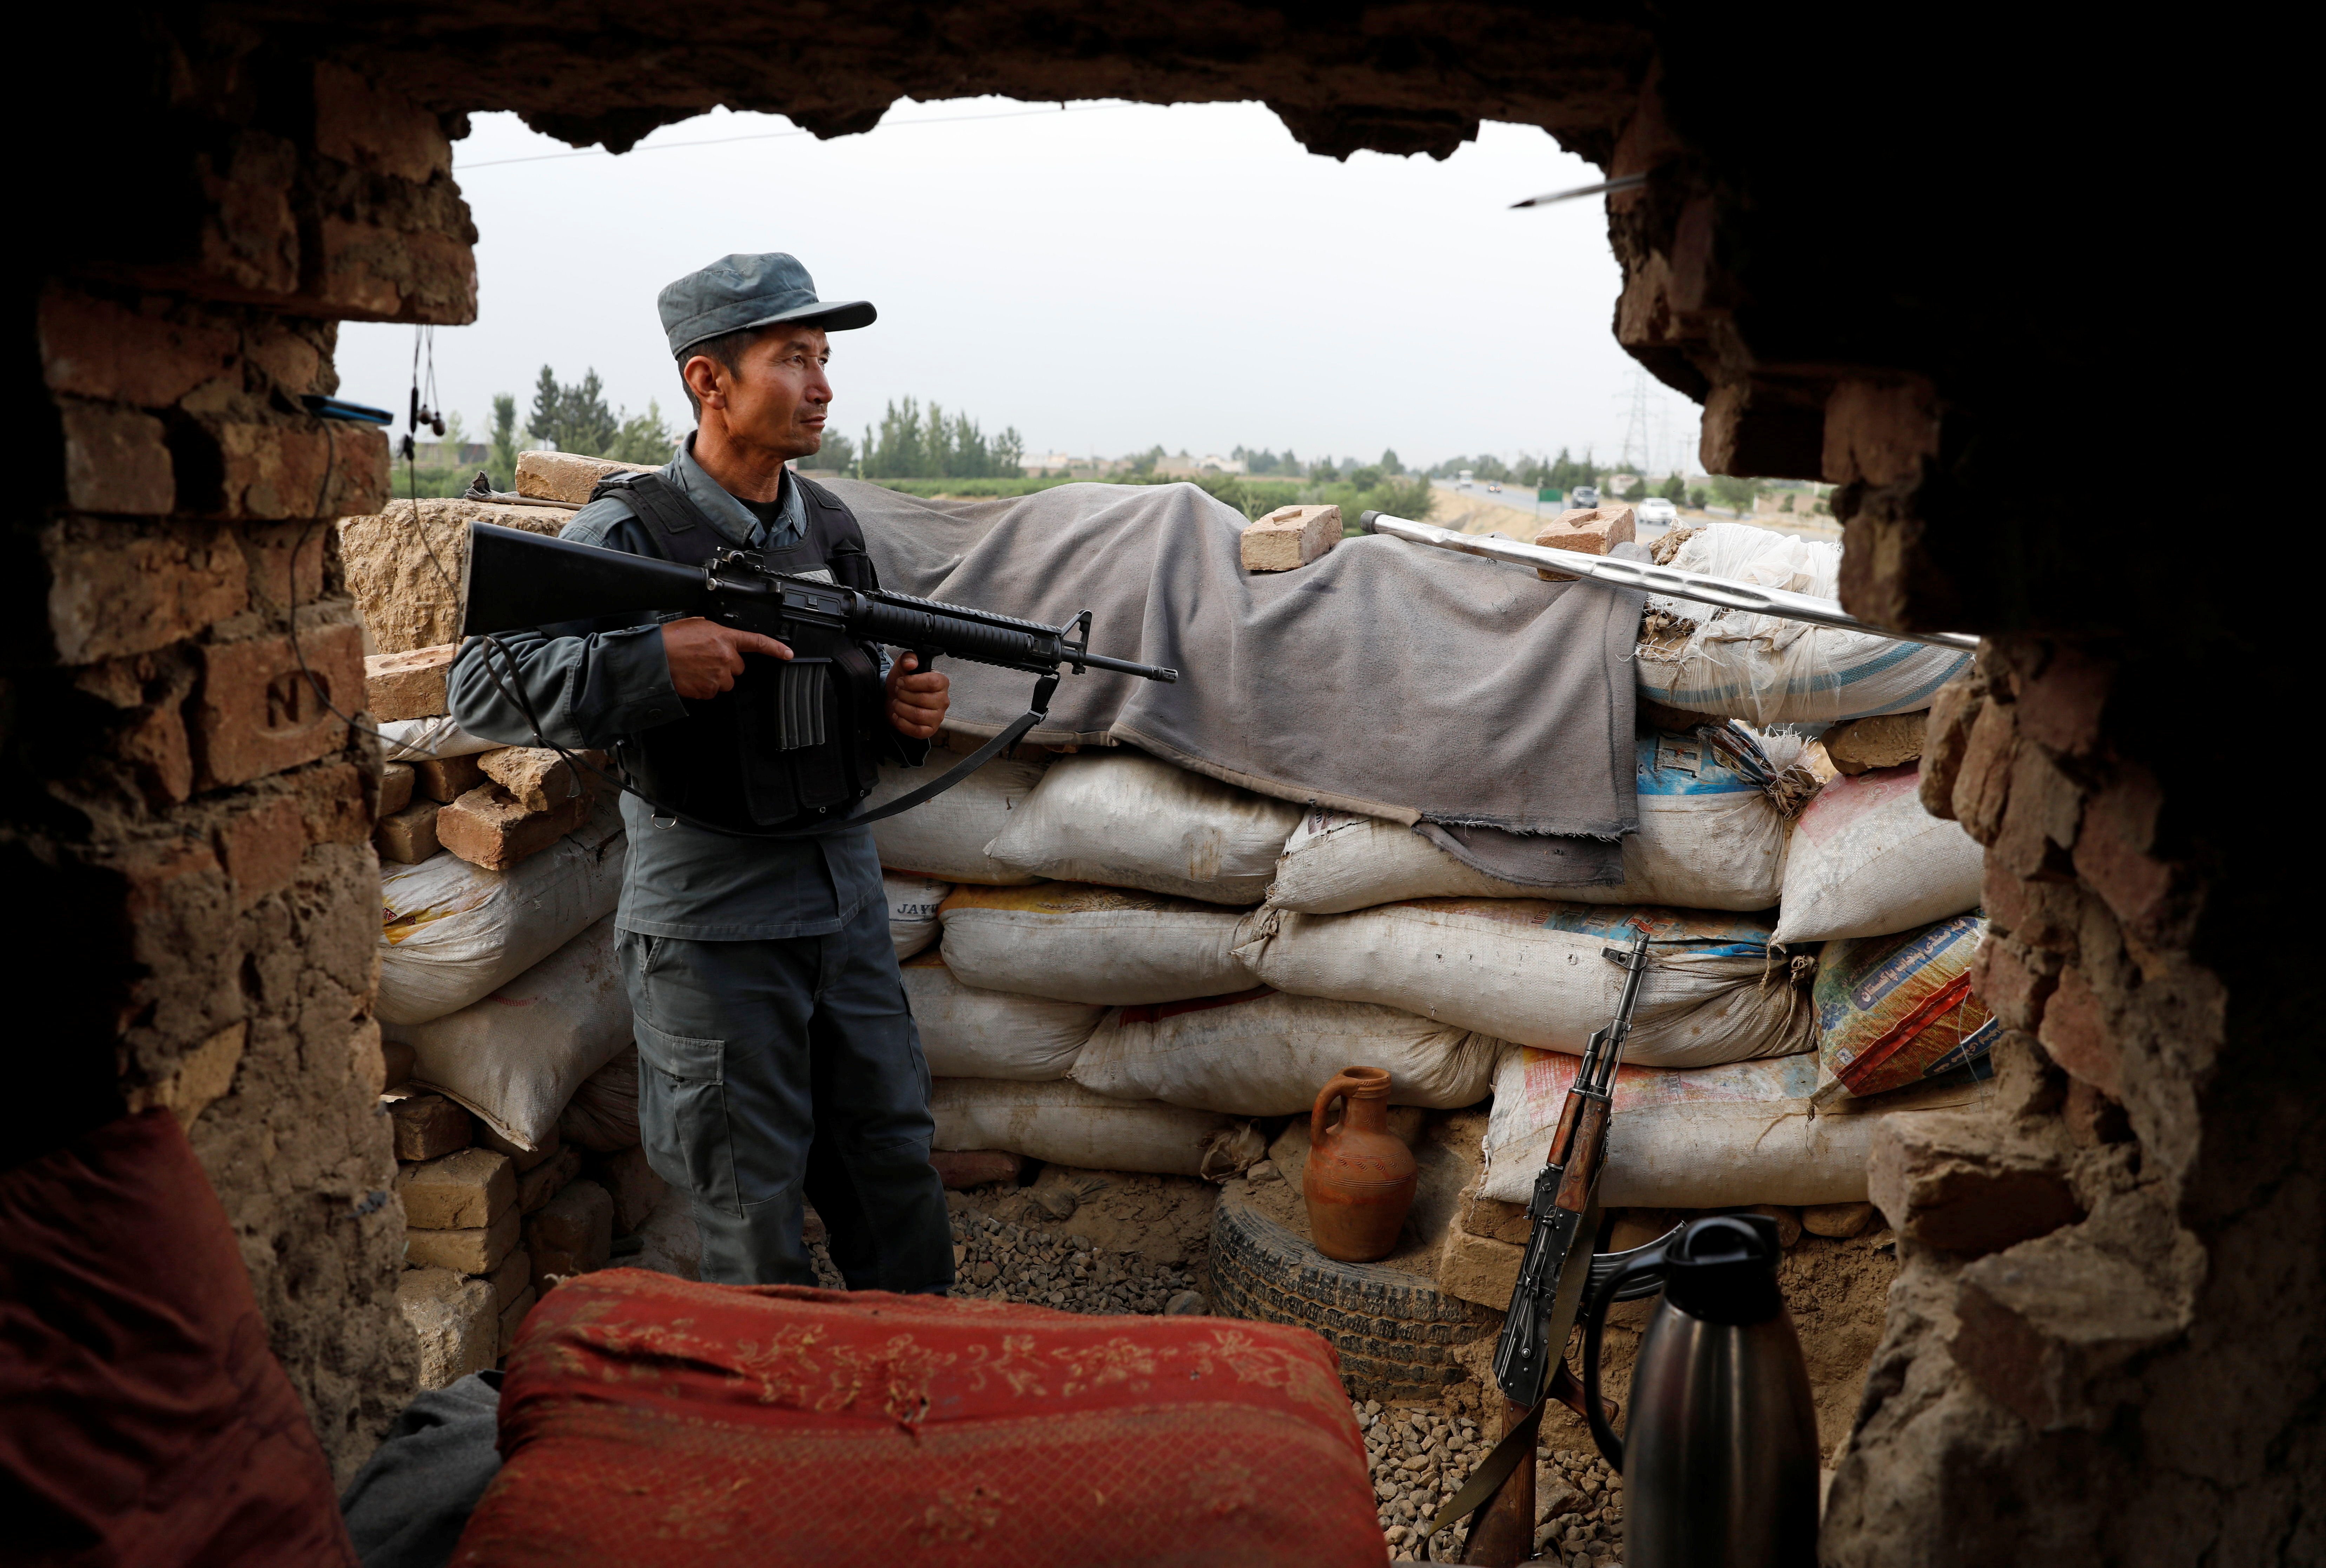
(1386, 678)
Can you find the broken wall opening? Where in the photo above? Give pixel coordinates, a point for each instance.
(2138, 1379)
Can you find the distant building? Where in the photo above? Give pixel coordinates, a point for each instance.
(1189, 468)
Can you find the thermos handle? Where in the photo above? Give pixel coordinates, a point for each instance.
(1642, 1262)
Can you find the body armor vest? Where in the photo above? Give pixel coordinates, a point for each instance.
(794, 742)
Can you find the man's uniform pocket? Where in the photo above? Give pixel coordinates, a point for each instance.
(682, 1113)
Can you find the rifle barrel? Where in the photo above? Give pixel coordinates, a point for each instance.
(1664, 580)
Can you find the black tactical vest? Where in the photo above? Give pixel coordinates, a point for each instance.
(794, 743)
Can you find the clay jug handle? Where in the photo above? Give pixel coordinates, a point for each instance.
(1341, 1083)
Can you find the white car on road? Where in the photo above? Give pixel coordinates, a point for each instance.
(1657, 510)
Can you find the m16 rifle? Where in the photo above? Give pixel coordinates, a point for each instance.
(515, 579)
(1530, 1356)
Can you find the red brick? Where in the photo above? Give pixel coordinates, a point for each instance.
(93, 347)
(117, 589)
(1983, 782)
(2038, 914)
(545, 1180)
(2014, 980)
(2091, 1117)
(975, 1167)
(428, 1126)
(287, 357)
(157, 748)
(1942, 1179)
(2114, 854)
(1945, 738)
(633, 1186)
(1881, 433)
(118, 462)
(407, 685)
(332, 806)
(408, 837)
(261, 846)
(372, 273)
(2041, 1326)
(276, 471)
(249, 243)
(445, 779)
(2077, 1034)
(395, 782)
(2062, 708)
(572, 1234)
(359, 124)
(488, 827)
(258, 713)
(2038, 824)
(286, 561)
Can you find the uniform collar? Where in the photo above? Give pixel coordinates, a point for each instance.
(727, 514)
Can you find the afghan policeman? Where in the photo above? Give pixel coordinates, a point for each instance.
(778, 1058)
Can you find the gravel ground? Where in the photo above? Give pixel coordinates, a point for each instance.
(1420, 1457)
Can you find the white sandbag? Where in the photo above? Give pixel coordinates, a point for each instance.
(1709, 838)
(1128, 819)
(517, 1057)
(418, 739)
(913, 904)
(1766, 670)
(1744, 1132)
(1867, 860)
(1081, 943)
(1067, 1125)
(449, 932)
(1267, 1053)
(967, 1033)
(946, 838)
(1531, 972)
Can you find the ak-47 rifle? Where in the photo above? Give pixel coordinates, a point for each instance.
(1531, 1358)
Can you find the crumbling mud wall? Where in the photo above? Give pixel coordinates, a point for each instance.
(2104, 1342)
(187, 820)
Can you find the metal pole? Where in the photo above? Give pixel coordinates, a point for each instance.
(1652, 579)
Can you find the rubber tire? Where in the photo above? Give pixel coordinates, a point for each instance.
(1395, 1331)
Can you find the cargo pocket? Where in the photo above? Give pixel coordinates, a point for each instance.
(683, 1114)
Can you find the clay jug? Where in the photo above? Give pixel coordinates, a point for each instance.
(1359, 1182)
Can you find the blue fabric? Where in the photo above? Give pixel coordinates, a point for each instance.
(774, 1072)
(408, 1505)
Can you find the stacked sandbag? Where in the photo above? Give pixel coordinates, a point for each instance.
(1126, 820)
(1713, 833)
(1868, 860)
(967, 1031)
(452, 932)
(515, 1057)
(1265, 1053)
(1533, 971)
(913, 905)
(945, 838)
(1076, 942)
(1745, 1132)
(1068, 1125)
(1766, 669)
(1898, 1010)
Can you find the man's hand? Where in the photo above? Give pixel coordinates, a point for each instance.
(916, 704)
(706, 657)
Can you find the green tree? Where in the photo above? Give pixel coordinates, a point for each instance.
(1735, 492)
(1389, 463)
(573, 417)
(1674, 489)
(504, 455)
(1697, 497)
(642, 439)
(1367, 478)
(837, 453)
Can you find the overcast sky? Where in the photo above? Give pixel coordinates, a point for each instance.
(1104, 278)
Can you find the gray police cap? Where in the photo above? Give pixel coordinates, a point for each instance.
(739, 292)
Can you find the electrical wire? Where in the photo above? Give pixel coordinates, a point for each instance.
(780, 135)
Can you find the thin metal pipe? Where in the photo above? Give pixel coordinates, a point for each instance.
(1664, 580)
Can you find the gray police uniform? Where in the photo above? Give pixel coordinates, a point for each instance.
(777, 1058)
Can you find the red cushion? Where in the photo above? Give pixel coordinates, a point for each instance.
(649, 1421)
(147, 1421)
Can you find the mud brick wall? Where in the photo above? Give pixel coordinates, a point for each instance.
(187, 820)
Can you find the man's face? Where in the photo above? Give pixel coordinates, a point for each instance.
(777, 395)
